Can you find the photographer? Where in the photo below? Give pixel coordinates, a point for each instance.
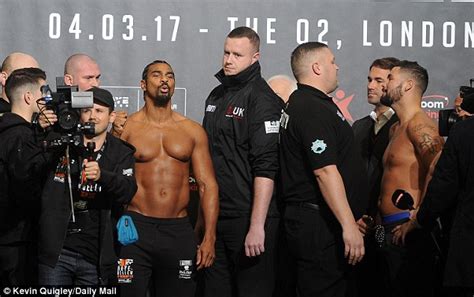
(76, 242)
(20, 160)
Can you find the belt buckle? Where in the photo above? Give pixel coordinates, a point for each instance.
(379, 235)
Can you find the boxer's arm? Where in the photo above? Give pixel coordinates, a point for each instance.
(428, 145)
(208, 193)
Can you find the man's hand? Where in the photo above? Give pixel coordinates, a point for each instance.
(117, 126)
(354, 249)
(205, 254)
(400, 232)
(47, 118)
(366, 224)
(255, 241)
(92, 170)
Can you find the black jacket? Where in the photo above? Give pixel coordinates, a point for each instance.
(20, 162)
(118, 188)
(452, 186)
(372, 148)
(242, 121)
(4, 106)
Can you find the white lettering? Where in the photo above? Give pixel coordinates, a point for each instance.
(255, 24)
(233, 21)
(451, 28)
(427, 34)
(385, 26)
(365, 42)
(407, 33)
(468, 34)
(302, 31)
(270, 30)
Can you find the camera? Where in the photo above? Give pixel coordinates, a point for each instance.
(66, 103)
(449, 117)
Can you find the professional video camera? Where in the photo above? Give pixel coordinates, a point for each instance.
(66, 103)
(449, 117)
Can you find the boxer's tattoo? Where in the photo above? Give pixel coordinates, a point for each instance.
(427, 138)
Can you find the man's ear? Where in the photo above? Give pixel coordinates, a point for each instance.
(28, 98)
(68, 80)
(112, 116)
(316, 68)
(255, 57)
(3, 78)
(408, 85)
(143, 85)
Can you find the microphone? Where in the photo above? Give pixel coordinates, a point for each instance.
(402, 200)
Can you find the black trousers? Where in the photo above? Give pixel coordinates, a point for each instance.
(315, 242)
(408, 270)
(235, 275)
(164, 254)
(18, 264)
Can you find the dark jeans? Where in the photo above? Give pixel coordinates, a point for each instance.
(72, 269)
(315, 242)
(233, 273)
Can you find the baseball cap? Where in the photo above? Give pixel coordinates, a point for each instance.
(102, 96)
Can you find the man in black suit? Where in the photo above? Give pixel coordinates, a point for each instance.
(372, 135)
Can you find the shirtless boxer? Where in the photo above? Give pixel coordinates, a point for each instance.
(408, 161)
(166, 144)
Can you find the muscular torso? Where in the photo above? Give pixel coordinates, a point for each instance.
(162, 165)
(402, 170)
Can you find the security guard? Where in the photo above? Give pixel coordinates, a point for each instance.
(323, 180)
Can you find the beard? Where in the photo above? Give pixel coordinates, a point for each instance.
(389, 97)
(161, 100)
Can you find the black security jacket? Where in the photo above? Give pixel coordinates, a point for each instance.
(20, 164)
(242, 119)
(118, 188)
(452, 187)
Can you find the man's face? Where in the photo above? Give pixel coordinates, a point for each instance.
(394, 88)
(329, 69)
(85, 75)
(239, 54)
(159, 84)
(99, 115)
(376, 83)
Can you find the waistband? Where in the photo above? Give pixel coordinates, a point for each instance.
(308, 205)
(396, 217)
(152, 220)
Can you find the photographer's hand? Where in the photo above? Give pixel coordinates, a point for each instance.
(92, 170)
(47, 118)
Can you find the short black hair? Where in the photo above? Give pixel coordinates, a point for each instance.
(419, 73)
(300, 52)
(23, 77)
(241, 32)
(145, 71)
(386, 63)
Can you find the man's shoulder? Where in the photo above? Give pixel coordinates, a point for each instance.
(421, 122)
(194, 129)
(362, 122)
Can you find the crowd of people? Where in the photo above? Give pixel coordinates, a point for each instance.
(293, 200)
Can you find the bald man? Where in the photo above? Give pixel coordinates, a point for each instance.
(83, 71)
(12, 62)
(282, 85)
